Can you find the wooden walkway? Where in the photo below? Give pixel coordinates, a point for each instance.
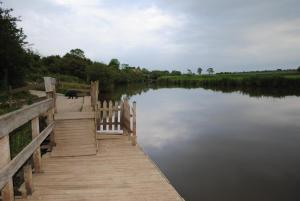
(75, 170)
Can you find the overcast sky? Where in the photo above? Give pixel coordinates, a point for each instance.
(229, 35)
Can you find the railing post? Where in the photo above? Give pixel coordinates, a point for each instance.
(126, 118)
(28, 179)
(37, 160)
(7, 192)
(50, 119)
(50, 89)
(94, 91)
(133, 137)
(51, 93)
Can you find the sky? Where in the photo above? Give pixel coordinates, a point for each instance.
(228, 35)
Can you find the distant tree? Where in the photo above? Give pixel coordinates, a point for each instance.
(298, 69)
(52, 63)
(175, 72)
(77, 52)
(123, 66)
(98, 71)
(74, 63)
(210, 71)
(199, 71)
(114, 63)
(189, 71)
(14, 60)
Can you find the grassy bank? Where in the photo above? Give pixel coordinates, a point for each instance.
(274, 79)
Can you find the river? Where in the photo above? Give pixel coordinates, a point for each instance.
(216, 146)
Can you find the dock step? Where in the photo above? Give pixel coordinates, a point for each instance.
(74, 115)
(74, 137)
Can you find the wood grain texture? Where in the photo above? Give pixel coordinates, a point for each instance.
(119, 171)
(11, 168)
(13, 120)
(74, 138)
(37, 160)
(7, 191)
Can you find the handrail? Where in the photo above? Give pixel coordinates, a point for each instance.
(12, 167)
(15, 119)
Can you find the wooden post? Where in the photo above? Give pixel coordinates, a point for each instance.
(7, 192)
(50, 89)
(126, 118)
(92, 89)
(116, 115)
(94, 93)
(104, 114)
(133, 137)
(51, 93)
(50, 119)
(122, 116)
(110, 113)
(28, 179)
(37, 160)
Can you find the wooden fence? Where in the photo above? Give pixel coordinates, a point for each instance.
(13, 120)
(115, 119)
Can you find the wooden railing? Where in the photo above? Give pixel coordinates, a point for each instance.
(116, 118)
(13, 120)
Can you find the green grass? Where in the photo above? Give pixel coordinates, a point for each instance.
(64, 86)
(251, 79)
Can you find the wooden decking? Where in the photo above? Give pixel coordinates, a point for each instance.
(75, 170)
(74, 137)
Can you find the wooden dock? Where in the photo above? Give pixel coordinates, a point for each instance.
(84, 166)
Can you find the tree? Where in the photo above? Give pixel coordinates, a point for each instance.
(74, 63)
(175, 72)
(14, 60)
(78, 53)
(199, 70)
(210, 71)
(114, 63)
(298, 69)
(189, 71)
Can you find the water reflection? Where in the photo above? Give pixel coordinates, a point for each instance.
(222, 146)
(215, 146)
(115, 92)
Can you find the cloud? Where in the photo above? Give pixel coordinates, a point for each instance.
(227, 35)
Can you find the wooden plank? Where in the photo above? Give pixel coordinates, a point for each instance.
(108, 136)
(49, 84)
(126, 117)
(28, 179)
(116, 118)
(7, 191)
(37, 160)
(74, 115)
(13, 120)
(104, 114)
(11, 168)
(133, 137)
(110, 114)
(74, 138)
(119, 171)
(50, 119)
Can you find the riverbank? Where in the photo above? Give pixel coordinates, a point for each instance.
(275, 79)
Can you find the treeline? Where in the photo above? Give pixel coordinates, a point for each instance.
(20, 65)
(279, 80)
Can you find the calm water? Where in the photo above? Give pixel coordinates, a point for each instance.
(216, 146)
